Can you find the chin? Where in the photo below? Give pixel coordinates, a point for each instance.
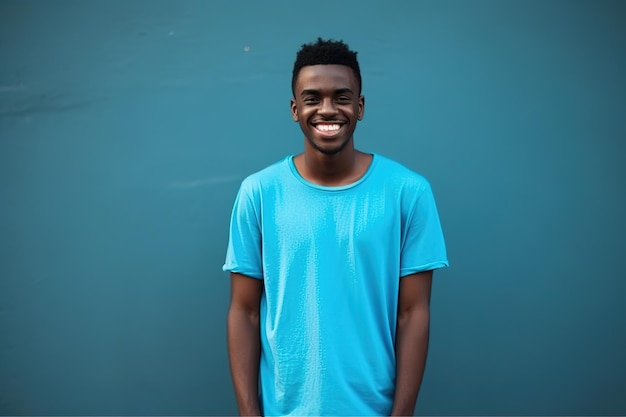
(331, 149)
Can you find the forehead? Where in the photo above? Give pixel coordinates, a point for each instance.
(317, 77)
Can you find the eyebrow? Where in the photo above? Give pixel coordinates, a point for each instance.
(316, 92)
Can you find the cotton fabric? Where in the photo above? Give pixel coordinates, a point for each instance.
(331, 259)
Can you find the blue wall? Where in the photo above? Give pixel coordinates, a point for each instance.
(126, 126)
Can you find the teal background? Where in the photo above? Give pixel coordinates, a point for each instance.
(126, 127)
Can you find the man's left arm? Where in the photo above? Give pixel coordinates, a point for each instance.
(411, 340)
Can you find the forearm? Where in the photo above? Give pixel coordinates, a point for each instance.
(244, 350)
(411, 349)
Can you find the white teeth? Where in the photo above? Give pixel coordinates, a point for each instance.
(327, 128)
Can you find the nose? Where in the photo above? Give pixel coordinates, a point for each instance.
(327, 107)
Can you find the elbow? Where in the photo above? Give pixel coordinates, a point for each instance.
(417, 315)
(250, 314)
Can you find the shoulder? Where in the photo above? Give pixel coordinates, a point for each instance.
(398, 174)
(267, 176)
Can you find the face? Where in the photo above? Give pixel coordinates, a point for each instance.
(327, 106)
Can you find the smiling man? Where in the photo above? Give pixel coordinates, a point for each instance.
(331, 255)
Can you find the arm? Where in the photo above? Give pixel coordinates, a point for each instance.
(244, 344)
(411, 340)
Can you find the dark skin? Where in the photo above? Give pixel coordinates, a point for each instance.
(412, 333)
(244, 344)
(328, 105)
(328, 95)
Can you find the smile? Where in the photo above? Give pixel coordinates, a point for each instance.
(327, 127)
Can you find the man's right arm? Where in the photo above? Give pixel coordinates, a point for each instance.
(244, 341)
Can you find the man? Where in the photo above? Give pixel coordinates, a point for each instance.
(331, 254)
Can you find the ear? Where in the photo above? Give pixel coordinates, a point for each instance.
(361, 108)
(294, 110)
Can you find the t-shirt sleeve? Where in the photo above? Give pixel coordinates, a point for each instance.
(243, 255)
(423, 245)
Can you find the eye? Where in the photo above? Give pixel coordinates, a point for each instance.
(343, 100)
(310, 100)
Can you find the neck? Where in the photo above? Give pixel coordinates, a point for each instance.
(342, 168)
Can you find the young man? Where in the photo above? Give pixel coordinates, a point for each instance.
(331, 254)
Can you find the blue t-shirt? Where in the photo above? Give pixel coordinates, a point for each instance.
(331, 259)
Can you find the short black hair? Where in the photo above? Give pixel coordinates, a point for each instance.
(325, 52)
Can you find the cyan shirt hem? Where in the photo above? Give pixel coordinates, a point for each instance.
(237, 270)
(422, 268)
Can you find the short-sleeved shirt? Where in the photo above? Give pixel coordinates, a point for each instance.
(331, 259)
